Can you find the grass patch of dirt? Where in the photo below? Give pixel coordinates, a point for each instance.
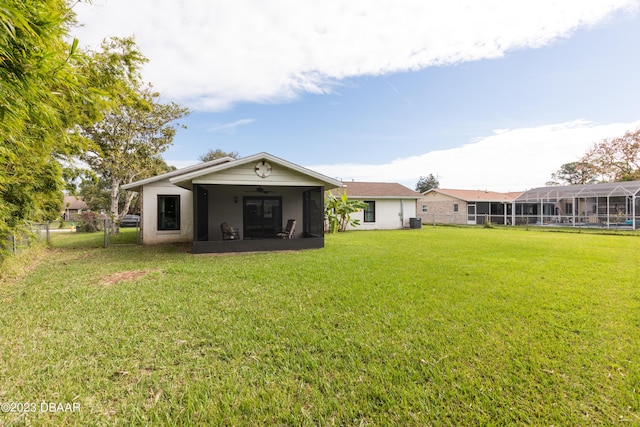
(125, 276)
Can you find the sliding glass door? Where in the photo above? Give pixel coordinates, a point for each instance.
(262, 217)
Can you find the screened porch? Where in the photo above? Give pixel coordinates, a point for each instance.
(607, 205)
(258, 216)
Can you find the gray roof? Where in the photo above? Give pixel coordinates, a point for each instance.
(477, 195)
(136, 185)
(555, 193)
(378, 190)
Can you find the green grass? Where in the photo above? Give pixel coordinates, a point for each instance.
(92, 240)
(444, 326)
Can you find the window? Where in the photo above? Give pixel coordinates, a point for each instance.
(168, 212)
(455, 207)
(424, 208)
(370, 211)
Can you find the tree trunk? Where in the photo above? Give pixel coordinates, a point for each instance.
(113, 211)
(127, 204)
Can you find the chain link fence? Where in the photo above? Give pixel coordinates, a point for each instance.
(620, 222)
(35, 232)
(103, 224)
(40, 233)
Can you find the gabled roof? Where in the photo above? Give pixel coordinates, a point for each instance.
(477, 195)
(378, 190)
(74, 202)
(136, 185)
(184, 177)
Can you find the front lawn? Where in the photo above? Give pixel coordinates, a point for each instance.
(437, 326)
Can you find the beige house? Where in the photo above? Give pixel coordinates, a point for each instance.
(447, 206)
(73, 206)
(256, 196)
(389, 205)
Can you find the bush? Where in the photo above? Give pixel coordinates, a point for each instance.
(89, 222)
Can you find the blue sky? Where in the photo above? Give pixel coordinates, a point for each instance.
(495, 99)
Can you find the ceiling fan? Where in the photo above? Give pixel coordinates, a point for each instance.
(261, 190)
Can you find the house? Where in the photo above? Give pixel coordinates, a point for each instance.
(73, 206)
(254, 195)
(614, 204)
(389, 205)
(448, 206)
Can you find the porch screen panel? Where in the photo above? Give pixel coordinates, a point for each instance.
(313, 213)
(201, 209)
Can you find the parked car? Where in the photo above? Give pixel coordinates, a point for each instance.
(130, 221)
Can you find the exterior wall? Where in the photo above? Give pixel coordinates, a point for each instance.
(391, 214)
(246, 175)
(440, 209)
(150, 233)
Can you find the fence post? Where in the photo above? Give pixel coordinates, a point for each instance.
(14, 244)
(106, 232)
(48, 233)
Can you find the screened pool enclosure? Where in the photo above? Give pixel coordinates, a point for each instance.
(609, 205)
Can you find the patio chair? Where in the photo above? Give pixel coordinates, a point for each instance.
(287, 233)
(228, 232)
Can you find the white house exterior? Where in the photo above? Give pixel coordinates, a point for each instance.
(256, 195)
(389, 205)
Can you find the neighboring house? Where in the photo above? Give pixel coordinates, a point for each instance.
(73, 206)
(255, 195)
(446, 206)
(389, 205)
(614, 204)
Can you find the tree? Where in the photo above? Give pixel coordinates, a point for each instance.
(135, 129)
(338, 210)
(43, 95)
(616, 159)
(427, 183)
(575, 173)
(217, 154)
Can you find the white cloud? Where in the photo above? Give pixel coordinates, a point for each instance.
(229, 128)
(210, 55)
(507, 160)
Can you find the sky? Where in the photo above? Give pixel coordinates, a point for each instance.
(492, 95)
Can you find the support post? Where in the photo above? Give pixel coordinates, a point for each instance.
(541, 212)
(106, 227)
(633, 211)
